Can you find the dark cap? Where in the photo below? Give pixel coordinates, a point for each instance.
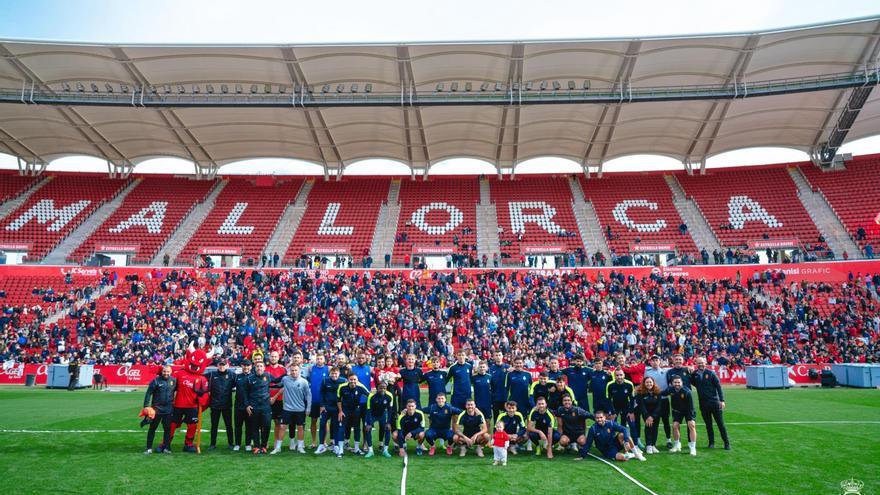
(246, 362)
(655, 356)
(222, 361)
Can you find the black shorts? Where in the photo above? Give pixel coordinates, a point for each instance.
(277, 409)
(295, 418)
(188, 415)
(683, 416)
(573, 435)
(315, 411)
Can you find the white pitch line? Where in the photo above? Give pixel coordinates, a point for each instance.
(85, 431)
(403, 479)
(621, 471)
(819, 422)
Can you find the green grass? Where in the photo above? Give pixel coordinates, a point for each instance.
(767, 459)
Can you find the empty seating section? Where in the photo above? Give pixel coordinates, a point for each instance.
(636, 207)
(854, 195)
(55, 210)
(534, 213)
(341, 216)
(435, 212)
(745, 205)
(148, 216)
(244, 217)
(11, 185)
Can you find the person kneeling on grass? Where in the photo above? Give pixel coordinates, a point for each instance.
(612, 440)
(514, 426)
(410, 424)
(682, 405)
(471, 429)
(542, 428)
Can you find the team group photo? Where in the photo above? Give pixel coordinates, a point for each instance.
(468, 248)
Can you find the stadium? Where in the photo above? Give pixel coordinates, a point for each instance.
(217, 296)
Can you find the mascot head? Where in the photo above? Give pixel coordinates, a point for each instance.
(196, 360)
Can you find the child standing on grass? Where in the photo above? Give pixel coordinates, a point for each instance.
(500, 442)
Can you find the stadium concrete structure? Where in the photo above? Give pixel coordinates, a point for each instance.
(689, 97)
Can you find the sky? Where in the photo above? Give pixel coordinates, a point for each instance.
(223, 21)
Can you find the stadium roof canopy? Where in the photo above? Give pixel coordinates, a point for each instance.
(215, 104)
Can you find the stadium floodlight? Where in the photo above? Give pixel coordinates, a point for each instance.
(484, 86)
(238, 88)
(439, 87)
(325, 88)
(180, 89)
(468, 86)
(368, 88)
(586, 84)
(209, 88)
(340, 88)
(196, 89)
(453, 87)
(254, 89)
(571, 85)
(66, 86)
(94, 88)
(167, 89)
(123, 88)
(543, 85)
(108, 87)
(499, 86)
(556, 85)
(224, 88)
(80, 87)
(267, 88)
(354, 88)
(282, 88)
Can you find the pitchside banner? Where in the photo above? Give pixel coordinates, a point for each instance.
(140, 375)
(834, 271)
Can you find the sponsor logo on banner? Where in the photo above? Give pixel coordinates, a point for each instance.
(416, 274)
(675, 271)
(773, 243)
(86, 272)
(12, 370)
(543, 248)
(117, 248)
(651, 247)
(15, 246)
(220, 250)
(129, 372)
(433, 249)
(329, 250)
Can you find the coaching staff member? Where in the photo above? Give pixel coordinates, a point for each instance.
(242, 421)
(220, 383)
(160, 396)
(711, 401)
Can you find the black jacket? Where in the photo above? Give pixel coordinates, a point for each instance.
(708, 386)
(220, 385)
(240, 383)
(160, 394)
(256, 391)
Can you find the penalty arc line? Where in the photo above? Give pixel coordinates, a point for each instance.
(627, 476)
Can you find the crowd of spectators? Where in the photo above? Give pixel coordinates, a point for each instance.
(755, 318)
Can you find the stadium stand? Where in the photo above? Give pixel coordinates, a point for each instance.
(55, 210)
(853, 195)
(341, 216)
(244, 216)
(636, 208)
(12, 184)
(743, 205)
(534, 213)
(437, 212)
(147, 217)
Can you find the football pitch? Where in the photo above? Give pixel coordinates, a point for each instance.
(799, 441)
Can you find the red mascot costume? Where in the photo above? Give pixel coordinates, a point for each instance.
(192, 394)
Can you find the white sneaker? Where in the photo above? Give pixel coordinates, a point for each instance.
(628, 455)
(236, 448)
(148, 451)
(275, 451)
(321, 449)
(301, 450)
(676, 447)
(693, 451)
(358, 452)
(529, 446)
(639, 455)
(292, 447)
(247, 448)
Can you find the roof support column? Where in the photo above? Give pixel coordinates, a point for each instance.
(206, 171)
(592, 166)
(32, 168)
(119, 170)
